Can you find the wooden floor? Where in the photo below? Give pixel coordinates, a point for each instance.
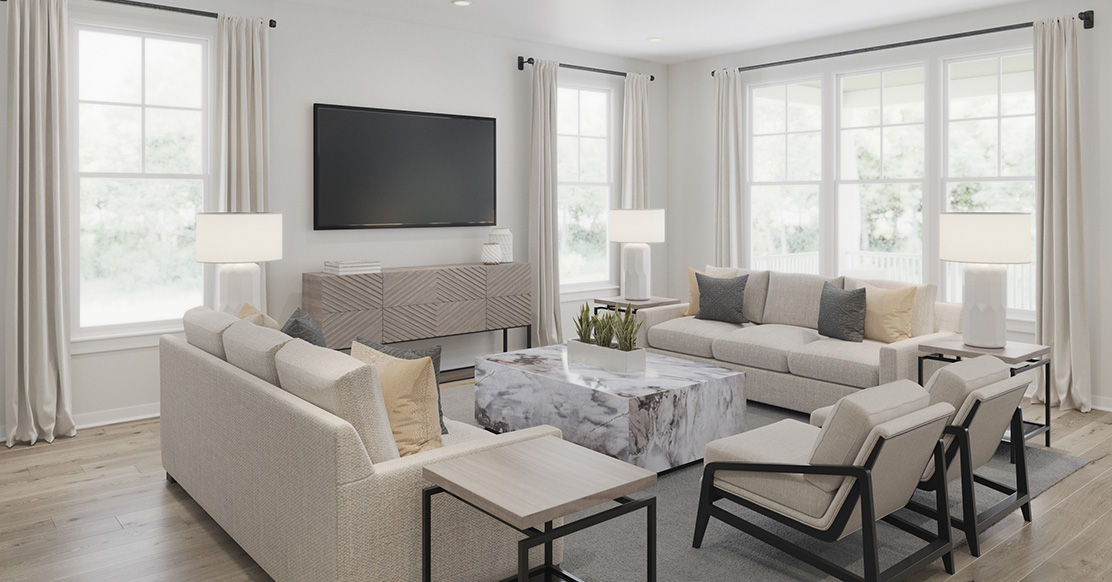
(98, 507)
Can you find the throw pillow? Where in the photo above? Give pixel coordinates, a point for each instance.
(409, 391)
(300, 325)
(410, 354)
(693, 285)
(252, 314)
(842, 313)
(721, 299)
(888, 313)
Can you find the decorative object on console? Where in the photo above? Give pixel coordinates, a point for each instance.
(433, 353)
(636, 228)
(721, 299)
(236, 242)
(986, 241)
(842, 313)
(251, 314)
(595, 343)
(357, 267)
(491, 253)
(505, 238)
(302, 325)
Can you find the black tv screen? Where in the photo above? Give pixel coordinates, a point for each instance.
(381, 168)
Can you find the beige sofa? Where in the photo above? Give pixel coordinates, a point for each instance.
(787, 363)
(295, 485)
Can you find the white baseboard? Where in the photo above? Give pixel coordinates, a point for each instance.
(116, 415)
(1102, 403)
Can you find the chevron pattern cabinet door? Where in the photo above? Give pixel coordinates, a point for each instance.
(463, 283)
(409, 287)
(462, 317)
(509, 279)
(509, 311)
(408, 322)
(340, 293)
(341, 328)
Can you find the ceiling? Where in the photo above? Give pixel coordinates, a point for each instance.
(687, 29)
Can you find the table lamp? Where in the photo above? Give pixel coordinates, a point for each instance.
(237, 242)
(985, 241)
(636, 228)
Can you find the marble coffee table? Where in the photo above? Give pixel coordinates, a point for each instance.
(658, 419)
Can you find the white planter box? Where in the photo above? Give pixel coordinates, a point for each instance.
(611, 359)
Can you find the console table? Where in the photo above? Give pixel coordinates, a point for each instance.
(412, 303)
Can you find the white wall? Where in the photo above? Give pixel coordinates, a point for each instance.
(691, 140)
(327, 55)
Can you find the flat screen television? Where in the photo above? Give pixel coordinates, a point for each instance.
(382, 168)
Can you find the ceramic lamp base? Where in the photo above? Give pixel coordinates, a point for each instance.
(236, 284)
(984, 309)
(636, 264)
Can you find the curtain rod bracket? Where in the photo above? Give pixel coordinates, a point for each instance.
(1087, 17)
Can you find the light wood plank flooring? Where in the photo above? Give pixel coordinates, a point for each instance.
(98, 507)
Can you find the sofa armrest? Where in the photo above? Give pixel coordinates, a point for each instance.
(899, 360)
(413, 465)
(654, 316)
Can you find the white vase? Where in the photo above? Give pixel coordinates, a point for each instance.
(611, 359)
(504, 237)
(491, 254)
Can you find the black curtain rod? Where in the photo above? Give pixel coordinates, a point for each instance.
(273, 23)
(522, 61)
(1086, 17)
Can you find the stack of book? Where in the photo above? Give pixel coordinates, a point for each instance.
(352, 267)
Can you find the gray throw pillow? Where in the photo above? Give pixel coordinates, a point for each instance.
(842, 313)
(432, 353)
(300, 325)
(720, 299)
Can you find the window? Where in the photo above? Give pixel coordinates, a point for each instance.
(785, 176)
(141, 174)
(990, 153)
(585, 183)
(880, 175)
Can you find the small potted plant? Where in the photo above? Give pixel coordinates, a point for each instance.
(608, 341)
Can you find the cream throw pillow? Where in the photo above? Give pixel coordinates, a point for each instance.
(693, 285)
(250, 313)
(409, 391)
(888, 313)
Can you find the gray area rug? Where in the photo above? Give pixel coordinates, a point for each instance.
(615, 551)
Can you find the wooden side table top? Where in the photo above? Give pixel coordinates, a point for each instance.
(617, 302)
(1012, 353)
(531, 482)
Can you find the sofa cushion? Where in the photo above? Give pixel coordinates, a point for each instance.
(888, 313)
(343, 386)
(922, 318)
(721, 299)
(252, 348)
(789, 442)
(204, 328)
(762, 346)
(841, 362)
(842, 313)
(756, 288)
(688, 335)
(793, 298)
(252, 314)
(854, 417)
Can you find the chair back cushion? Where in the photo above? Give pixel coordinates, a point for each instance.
(922, 318)
(854, 417)
(204, 328)
(252, 348)
(793, 298)
(989, 412)
(954, 383)
(341, 385)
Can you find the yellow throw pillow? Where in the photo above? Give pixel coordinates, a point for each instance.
(409, 391)
(252, 314)
(888, 313)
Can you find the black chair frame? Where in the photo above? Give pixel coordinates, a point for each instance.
(939, 543)
(971, 522)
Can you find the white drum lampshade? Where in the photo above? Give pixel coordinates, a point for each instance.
(236, 242)
(986, 241)
(636, 228)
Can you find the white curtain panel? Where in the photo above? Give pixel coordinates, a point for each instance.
(35, 363)
(635, 141)
(243, 85)
(544, 240)
(1062, 318)
(727, 165)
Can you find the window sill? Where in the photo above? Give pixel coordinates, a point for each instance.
(588, 291)
(120, 341)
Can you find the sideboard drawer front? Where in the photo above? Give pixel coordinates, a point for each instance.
(341, 328)
(509, 311)
(409, 322)
(463, 283)
(409, 287)
(344, 293)
(509, 279)
(462, 317)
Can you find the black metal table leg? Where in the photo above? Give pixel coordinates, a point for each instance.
(523, 560)
(548, 553)
(529, 336)
(426, 532)
(1046, 401)
(651, 533)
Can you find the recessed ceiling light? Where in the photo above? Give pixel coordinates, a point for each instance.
(462, 2)
(655, 39)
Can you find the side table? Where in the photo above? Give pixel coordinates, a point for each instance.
(1021, 357)
(528, 485)
(619, 303)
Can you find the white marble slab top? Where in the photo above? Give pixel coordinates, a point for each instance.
(662, 373)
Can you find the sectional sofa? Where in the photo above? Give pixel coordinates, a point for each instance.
(787, 362)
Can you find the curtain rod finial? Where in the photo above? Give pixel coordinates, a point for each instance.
(273, 23)
(1087, 17)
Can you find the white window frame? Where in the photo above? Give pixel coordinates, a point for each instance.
(143, 24)
(933, 56)
(613, 87)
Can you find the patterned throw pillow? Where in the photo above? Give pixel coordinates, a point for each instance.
(842, 313)
(721, 299)
(413, 354)
(300, 325)
(251, 314)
